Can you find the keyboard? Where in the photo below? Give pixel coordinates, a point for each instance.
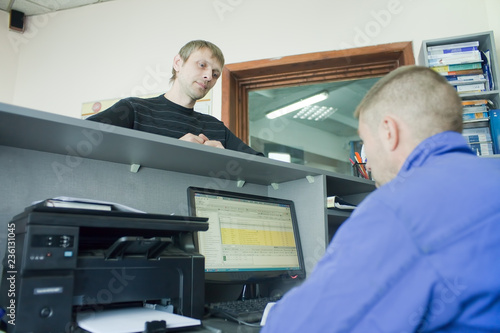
(248, 311)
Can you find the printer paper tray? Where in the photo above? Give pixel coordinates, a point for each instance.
(129, 320)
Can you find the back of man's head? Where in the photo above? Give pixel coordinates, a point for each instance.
(195, 45)
(419, 96)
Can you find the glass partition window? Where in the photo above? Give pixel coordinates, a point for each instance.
(310, 124)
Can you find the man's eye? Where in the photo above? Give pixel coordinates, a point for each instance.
(216, 75)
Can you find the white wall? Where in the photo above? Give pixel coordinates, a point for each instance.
(122, 48)
(493, 13)
(8, 61)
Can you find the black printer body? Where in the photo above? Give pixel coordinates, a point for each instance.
(68, 261)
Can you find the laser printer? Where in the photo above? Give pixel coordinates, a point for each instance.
(61, 261)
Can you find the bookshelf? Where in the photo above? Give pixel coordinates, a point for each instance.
(478, 87)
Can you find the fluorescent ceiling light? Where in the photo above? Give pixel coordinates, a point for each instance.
(315, 112)
(280, 157)
(297, 105)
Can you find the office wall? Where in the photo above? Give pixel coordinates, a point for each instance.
(28, 176)
(122, 48)
(8, 61)
(493, 10)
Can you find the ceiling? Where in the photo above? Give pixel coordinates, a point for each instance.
(37, 7)
(342, 95)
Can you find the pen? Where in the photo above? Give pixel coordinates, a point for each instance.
(357, 157)
(360, 161)
(358, 167)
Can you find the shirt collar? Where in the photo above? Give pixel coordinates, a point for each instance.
(436, 145)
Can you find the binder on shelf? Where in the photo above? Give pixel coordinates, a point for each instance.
(458, 67)
(475, 108)
(454, 47)
(475, 116)
(474, 102)
(495, 129)
(338, 203)
(477, 134)
(474, 54)
(454, 58)
(482, 148)
(447, 50)
(479, 139)
(476, 113)
(465, 79)
(487, 70)
(466, 88)
(462, 72)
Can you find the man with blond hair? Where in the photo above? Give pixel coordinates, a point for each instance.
(421, 253)
(195, 70)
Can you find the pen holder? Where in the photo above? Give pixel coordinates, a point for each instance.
(359, 170)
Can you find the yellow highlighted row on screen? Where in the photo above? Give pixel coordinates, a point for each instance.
(257, 237)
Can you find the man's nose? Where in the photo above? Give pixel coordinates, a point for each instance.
(207, 74)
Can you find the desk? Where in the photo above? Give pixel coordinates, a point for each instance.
(212, 325)
(226, 327)
(45, 155)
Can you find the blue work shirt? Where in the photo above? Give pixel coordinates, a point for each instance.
(419, 254)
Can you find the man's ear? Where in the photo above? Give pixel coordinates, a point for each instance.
(390, 133)
(177, 63)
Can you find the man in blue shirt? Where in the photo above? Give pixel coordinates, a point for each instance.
(422, 252)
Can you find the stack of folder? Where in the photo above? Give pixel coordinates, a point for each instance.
(463, 65)
(477, 130)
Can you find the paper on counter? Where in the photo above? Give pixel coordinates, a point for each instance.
(266, 312)
(129, 320)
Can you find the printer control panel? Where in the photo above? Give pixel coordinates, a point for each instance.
(50, 247)
(50, 240)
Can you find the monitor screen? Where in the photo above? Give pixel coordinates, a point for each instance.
(250, 238)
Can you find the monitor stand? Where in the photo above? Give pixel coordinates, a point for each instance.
(250, 291)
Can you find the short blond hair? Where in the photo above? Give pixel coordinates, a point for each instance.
(195, 45)
(419, 96)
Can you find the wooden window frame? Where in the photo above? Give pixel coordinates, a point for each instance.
(350, 64)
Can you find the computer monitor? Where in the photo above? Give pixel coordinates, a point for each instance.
(250, 238)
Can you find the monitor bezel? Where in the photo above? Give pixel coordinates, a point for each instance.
(250, 276)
